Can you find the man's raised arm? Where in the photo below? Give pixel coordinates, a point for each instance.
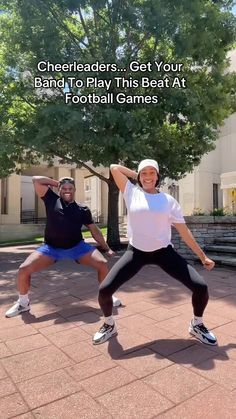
(42, 183)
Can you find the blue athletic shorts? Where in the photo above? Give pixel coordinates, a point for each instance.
(74, 253)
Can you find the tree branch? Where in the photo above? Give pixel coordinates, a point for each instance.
(94, 172)
(85, 165)
(86, 31)
(26, 101)
(155, 47)
(73, 37)
(137, 48)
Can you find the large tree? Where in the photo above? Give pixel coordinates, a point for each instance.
(177, 130)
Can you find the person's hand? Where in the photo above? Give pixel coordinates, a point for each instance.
(110, 253)
(208, 263)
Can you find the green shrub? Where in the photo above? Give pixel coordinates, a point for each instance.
(198, 211)
(218, 212)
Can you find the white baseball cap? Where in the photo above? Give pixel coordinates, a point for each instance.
(148, 162)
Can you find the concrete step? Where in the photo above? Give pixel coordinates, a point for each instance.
(123, 230)
(223, 252)
(221, 249)
(223, 260)
(226, 240)
(219, 260)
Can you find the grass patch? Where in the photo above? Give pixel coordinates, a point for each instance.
(87, 234)
(35, 240)
(21, 241)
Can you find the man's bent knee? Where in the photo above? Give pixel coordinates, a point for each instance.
(25, 269)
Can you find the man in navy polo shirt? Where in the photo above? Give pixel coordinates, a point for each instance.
(63, 238)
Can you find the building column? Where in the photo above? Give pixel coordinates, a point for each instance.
(79, 175)
(13, 201)
(225, 197)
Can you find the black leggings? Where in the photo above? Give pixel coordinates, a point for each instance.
(169, 260)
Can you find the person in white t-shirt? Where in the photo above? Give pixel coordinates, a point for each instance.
(150, 216)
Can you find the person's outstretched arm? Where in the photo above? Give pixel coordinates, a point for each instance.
(188, 238)
(97, 235)
(121, 175)
(42, 183)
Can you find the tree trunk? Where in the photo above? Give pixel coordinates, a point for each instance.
(113, 235)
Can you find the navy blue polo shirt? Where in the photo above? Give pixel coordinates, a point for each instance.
(64, 221)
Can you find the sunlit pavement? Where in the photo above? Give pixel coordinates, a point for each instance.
(153, 368)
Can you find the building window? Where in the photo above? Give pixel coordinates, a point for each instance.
(87, 191)
(4, 196)
(215, 196)
(87, 184)
(174, 191)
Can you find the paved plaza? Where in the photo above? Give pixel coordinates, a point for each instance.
(49, 368)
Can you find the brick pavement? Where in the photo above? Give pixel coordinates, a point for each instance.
(152, 369)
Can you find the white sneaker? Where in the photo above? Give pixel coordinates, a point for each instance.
(116, 302)
(105, 332)
(202, 333)
(16, 309)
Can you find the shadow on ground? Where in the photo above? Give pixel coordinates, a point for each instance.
(67, 278)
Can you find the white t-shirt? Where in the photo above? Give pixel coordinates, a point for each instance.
(150, 217)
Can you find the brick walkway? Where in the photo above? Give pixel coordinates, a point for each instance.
(153, 369)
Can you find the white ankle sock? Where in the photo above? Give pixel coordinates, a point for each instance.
(109, 320)
(23, 299)
(197, 320)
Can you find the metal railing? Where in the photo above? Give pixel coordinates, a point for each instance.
(30, 217)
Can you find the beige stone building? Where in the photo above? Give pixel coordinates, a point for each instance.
(211, 185)
(22, 213)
